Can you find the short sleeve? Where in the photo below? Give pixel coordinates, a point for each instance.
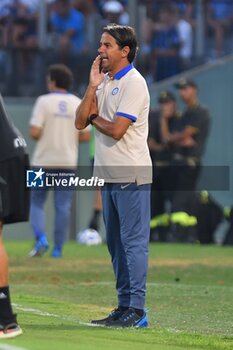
(134, 99)
(38, 114)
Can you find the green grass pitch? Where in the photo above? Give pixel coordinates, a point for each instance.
(189, 299)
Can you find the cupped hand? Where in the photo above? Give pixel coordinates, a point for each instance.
(96, 77)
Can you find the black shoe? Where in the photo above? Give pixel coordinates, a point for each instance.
(130, 319)
(113, 316)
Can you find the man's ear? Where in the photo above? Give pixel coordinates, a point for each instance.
(125, 51)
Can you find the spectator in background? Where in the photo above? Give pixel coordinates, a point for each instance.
(20, 21)
(99, 6)
(93, 27)
(220, 21)
(114, 13)
(5, 20)
(86, 7)
(24, 31)
(29, 6)
(185, 34)
(20, 33)
(189, 146)
(4, 13)
(165, 45)
(69, 25)
(186, 10)
(161, 155)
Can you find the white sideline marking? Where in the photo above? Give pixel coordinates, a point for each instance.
(42, 313)
(48, 314)
(10, 347)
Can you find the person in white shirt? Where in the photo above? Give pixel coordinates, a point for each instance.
(52, 125)
(117, 105)
(185, 33)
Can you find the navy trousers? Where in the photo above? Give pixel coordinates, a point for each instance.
(126, 210)
(62, 204)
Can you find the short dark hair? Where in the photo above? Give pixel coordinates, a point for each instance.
(124, 36)
(166, 96)
(185, 82)
(62, 76)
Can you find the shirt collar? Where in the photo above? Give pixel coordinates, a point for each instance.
(123, 72)
(60, 92)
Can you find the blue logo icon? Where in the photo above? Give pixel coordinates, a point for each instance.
(62, 106)
(35, 178)
(115, 91)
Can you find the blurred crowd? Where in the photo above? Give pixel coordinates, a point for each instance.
(167, 31)
(170, 31)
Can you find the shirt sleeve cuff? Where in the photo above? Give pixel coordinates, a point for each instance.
(129, 116)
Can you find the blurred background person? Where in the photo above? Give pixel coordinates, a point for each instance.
(186, 163)
(185, 33)
(161, 154)
(165, 45)
(52, 126)
(69, 25)
(219, 22)
(167, 31)
(114, 12)
(186, 9)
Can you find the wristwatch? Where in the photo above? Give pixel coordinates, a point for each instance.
(92, 117)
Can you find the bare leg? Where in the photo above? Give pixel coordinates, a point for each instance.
(8, 324)
(4, 280)
(98, 201)
(5, 304)
(94, 222)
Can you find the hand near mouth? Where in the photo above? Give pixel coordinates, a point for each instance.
(96, 76)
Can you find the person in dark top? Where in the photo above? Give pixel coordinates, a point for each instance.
(14, 207)
(165, 45)
(189, 147)
(195, 120)
(161, 154)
